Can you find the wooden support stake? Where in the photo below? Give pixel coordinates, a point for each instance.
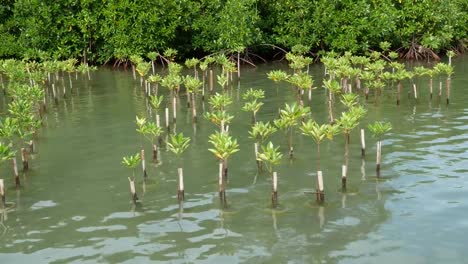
(320, 187)
(133, 190)
(174, 109)
(143, 164)
(24, 158)
(274, 195)
(211, 82)
(180, 190)
(344, 171)
(440, 90)
(31, 146)
(54, 93)
(167, 119)
(379, 157)
(2, 192)
(415, 91)
(155, 152)
(15, 171)
(430, 88)
(363, 143)
(222, 193)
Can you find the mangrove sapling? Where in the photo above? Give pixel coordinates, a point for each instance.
(289, 117)
(152, 56)
(222, 81)
(203, 68)
(172, 81)
(141, 125)
(349, 100)
(333, 88)
(69, 67)
(400, 75)
(303, 82)
(155, 102)
(318, 133)
(378, 129)
(192, 63)
(219, 118)
(260, 132)
(192, 85)
(142, 68)
(271, 156)
(254, 107)
(152, 132)
(220, 101)
(6, 153)
(224, 146)
(178, 144)
(131, 162)
(156, 79)
(418, 71)
(135, 60)
(348, 121)
(367, 77)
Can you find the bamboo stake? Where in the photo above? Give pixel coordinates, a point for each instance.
(180, 191)
(447, 90)
(379, 157)
(222, 193)
(274, 195)
(320, 187)
(2, 192)
(54, 93)
(167, 119)
(256, 154)
(24, 158)
(363, 143)
(430, 88)
(31, 146)
(211, 82)
(440, 90)
(15, 171)
(174, 109)
(155, 152)
(344, 171)
(133, 190)
(143, 164)
(415, 91)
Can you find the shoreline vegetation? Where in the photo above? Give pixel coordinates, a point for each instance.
(248, 31)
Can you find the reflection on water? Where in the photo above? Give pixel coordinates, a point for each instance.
(74, 206)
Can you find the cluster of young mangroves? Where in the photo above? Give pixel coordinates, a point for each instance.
(346, 78)
(27, 87)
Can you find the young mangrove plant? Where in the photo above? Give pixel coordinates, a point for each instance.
(8, 130)
(192, 85)
(132, 162)
(271, 156)
(347, 122)
(318, 133)
(333, 87)
(223, 147)
(289, 117)
(252, 105)
(141, 125)
(260, 132)
(156, 79)
(178, 144)
(378, 130)
(6, 153)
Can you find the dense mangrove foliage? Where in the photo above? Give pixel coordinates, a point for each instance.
(108, 31)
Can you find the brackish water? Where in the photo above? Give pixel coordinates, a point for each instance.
(74, 205)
